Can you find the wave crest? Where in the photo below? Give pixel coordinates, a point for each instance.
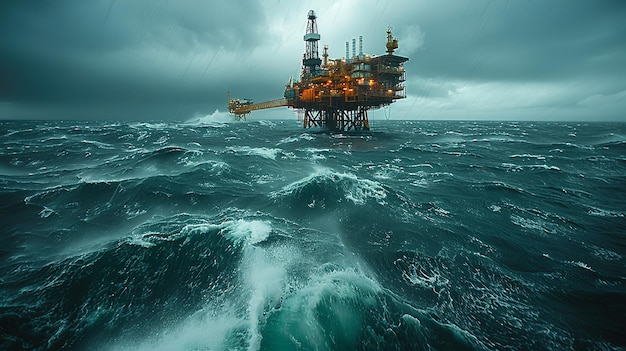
(327, 188)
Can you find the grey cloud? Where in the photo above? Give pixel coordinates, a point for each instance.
(169, 59)
(112, 52)
(529, 40)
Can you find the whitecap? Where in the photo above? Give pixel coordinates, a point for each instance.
(495, 208)
(162, 140)
(268, 123)
(595, 211)
(249, 232)
(215, 119)
(512, 167)
(287, 140)
(306, 136)
(46, 212)
(581, 265)
(441, 212)
(269, 153)
(433, 280)
(534, 224)
(99, 145)
(546, 167)
(316, 154)
(355, 189)
(538, 157)
(388, 171)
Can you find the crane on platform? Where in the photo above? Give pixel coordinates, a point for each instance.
(337, 93)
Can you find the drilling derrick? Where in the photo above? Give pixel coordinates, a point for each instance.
(338, 93)
(311, 61)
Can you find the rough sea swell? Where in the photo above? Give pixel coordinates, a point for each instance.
(261, 235)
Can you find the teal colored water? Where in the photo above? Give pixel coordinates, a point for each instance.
(419, 235)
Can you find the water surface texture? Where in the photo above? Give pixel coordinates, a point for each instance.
(262, 235)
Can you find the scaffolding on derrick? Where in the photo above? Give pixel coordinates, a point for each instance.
(337, 94)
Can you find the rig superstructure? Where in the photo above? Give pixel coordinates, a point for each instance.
(337, 93)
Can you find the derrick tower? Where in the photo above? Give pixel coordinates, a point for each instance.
(338, 93)
(311, 61)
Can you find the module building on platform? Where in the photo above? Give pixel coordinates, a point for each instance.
(337, 93)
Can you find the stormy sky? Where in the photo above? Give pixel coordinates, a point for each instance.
(174, 60)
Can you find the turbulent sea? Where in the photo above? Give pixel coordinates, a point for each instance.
(418, 235)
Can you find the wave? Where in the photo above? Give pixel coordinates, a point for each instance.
(217, 118)
(269, 153)
(264, 236)
(538, 157)
(327, 304)
(326, 189)
(293, 139)
(512, 167)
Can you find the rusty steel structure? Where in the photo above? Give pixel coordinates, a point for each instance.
(337, 93)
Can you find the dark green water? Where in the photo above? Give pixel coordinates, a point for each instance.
(261, 235)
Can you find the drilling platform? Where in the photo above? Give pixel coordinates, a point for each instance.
(337, 93)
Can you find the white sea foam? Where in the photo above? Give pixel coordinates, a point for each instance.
(265, 122)
(495, 208)
(292, 139)
(205, 330)
(580, 264)
(143, 135)
(46, 212)
(264, 296)
(512, 167)
(265, 278)
(162, 140)
(134, 210)
(287, 140)
(356, 189)
(364, 189)
(388, 171)
(269, 153)
(538, 157)
(433, 280)
(243, 312)
(535, 224)
(595, 211)
(217, 118)
(249, 232)
(423, 165)
(547, 167)
(99, 145)
(306, 136)
(516, 168)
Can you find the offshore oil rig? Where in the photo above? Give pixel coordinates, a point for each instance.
(337, 93)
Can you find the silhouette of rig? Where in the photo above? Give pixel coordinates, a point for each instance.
(337, 94)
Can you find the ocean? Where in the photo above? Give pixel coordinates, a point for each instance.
(262, 235)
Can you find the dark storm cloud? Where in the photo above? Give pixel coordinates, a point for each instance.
(171, 59)
(115, 52)
(523, 40)
(103, 25)
(517, 59)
